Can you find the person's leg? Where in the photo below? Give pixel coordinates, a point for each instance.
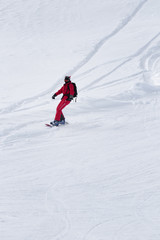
(62, 117)
(61, 105)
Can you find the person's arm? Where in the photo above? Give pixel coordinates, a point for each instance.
(57, 93)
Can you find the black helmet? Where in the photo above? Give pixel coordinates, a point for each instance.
(67, 78)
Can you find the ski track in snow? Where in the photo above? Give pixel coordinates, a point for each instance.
(82, 63)
(130, 58)
(105, 39)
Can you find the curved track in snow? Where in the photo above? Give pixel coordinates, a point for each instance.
(89, 56)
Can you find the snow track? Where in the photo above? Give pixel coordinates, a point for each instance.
(96, 48)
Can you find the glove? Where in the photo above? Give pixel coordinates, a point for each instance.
(53, 97)
(70, 98)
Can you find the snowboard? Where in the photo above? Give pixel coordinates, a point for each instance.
(50, 125)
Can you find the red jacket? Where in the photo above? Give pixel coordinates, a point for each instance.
(67, 89)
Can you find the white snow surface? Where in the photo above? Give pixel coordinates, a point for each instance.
(97, 178)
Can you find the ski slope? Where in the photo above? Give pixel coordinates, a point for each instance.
(96, 178)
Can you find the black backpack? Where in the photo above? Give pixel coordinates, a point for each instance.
(75, 90)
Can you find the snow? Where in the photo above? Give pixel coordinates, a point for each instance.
(96, 178)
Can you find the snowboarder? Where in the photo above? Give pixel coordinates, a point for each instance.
(68, 93)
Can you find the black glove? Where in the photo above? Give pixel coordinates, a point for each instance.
(70, 98)
(53, 97)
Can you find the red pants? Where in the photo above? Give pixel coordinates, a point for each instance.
(59, 115)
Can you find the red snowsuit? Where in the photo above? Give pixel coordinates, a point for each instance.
(67, 90)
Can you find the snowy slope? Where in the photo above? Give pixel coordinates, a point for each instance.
(98, 177)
